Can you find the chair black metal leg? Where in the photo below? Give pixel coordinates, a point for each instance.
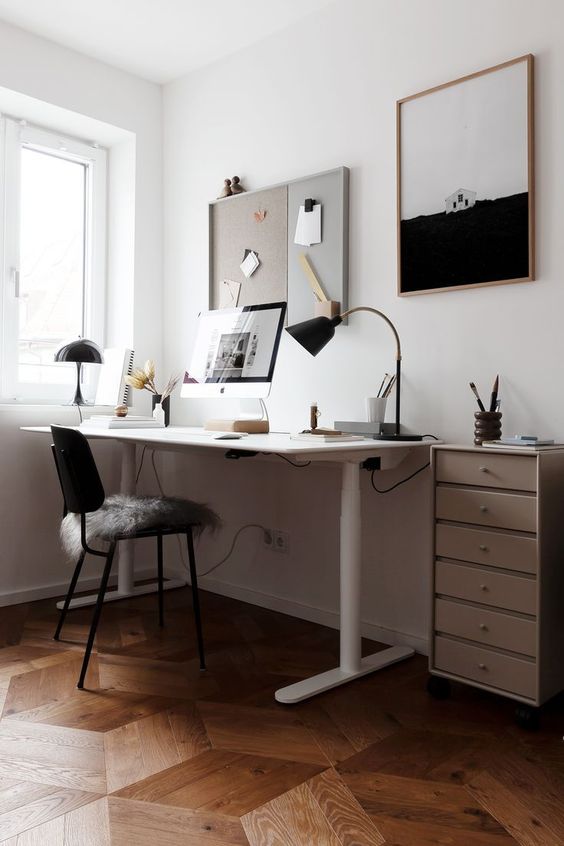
(69, 595)
(161, 578)
(196, 598)
(97, 612)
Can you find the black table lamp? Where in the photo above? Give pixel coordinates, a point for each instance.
(314, 334)
(82, 351)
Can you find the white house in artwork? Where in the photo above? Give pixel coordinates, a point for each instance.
(460, 200)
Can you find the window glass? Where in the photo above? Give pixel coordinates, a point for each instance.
(52, 261)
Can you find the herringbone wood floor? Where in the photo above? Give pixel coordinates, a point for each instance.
(156, 753)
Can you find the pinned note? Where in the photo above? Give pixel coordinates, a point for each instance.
(229, 294)
(308, 226)
(249, 263)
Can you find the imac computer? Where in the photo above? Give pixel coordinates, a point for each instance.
(234, 354)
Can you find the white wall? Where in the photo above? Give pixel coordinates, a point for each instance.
(318, 95)
(30, 557)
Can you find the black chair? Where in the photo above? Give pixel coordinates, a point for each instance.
(92, 518)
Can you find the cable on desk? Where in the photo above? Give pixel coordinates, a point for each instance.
(293, 463)
(232, 547)
(397, 484)
(431, 436)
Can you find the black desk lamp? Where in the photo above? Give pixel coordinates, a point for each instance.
(82, 351)
(314, 334)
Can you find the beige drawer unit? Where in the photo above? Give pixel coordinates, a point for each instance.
(497, 618)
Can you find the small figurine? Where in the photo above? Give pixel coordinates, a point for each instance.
(236, 187)
(226, 192)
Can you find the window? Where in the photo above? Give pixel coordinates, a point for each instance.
(460, 198)
(53, 256)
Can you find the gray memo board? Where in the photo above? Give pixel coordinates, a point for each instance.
(233, 229)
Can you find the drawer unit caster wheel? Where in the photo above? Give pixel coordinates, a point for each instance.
(527, 717)
(438, 687)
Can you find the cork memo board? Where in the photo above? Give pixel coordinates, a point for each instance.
(264, 221)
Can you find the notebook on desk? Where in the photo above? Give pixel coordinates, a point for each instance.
(112, 388)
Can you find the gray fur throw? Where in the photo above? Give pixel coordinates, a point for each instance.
(121, 514)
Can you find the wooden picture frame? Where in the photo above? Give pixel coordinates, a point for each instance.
(478, 129)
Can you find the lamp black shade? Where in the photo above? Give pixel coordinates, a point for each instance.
(82, 351)
(314, 334)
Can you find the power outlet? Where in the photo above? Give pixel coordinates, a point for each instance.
(281, 541)
(276, 540)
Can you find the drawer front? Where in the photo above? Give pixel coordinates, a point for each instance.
(512, 675)
(488, 627)
(517, 472)
(485, 508)
(513, 552)
(477, 584)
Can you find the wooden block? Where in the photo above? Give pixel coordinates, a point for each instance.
(252, 427)
(328, 308)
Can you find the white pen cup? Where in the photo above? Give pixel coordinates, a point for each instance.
(376, 409)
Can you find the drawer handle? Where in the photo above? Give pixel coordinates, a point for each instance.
(483, 627)
(483, 587)
(483, 508)
(484, 470)
(483, 547)
(482, 666)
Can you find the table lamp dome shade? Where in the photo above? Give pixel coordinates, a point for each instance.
(82, 351)
(314, 334)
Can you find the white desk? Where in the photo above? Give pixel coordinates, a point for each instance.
(349, 455)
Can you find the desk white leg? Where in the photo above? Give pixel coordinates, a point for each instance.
(351, 665)
(126, 548)
(126, 584)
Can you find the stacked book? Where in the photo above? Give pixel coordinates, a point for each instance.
(523, 441)
(111, 421)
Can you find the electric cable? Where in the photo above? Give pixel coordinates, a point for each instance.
(397, 484)
(293, 463)
(232, 547)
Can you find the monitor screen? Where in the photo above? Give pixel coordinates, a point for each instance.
(235, 352)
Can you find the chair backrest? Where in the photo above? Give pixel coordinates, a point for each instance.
(80, 481)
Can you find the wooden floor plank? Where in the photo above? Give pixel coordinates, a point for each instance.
(138, 750)
(88, 825)
(155, 678)
(38, 807)
(52, 755)
(527, 802)
(272, 733)
(344, 813)
(417, 801)
(293, 819)
(145, 824)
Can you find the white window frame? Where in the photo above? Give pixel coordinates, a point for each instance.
(14, 135)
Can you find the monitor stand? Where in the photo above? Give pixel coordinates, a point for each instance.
(249, 424)
(241, 424)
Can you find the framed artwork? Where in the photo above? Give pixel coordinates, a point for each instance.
(465, 182)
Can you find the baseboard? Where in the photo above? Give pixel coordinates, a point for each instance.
(18, 597)
(313, 614)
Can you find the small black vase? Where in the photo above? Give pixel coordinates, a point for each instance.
(156, 398)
